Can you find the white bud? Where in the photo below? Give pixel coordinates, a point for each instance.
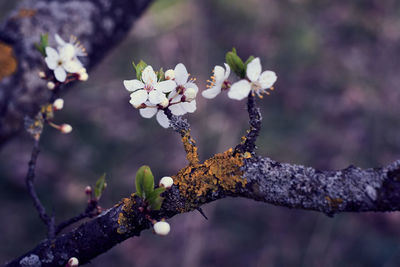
(165, 102)
(190, 94)
(73, 262)
(166, 182)
(42, 75)
(83, 76)
(161, 228)
(58, 104)
(66, 128)
(170, 74)
(50, 85)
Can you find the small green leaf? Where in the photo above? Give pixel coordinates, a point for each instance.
(236, 63)
(160, 75)
(100, 186)
(156, 193)
(156, 203)
(139, 69)
(250, 59)
(44, 42)
(148, 183)
(144, 182)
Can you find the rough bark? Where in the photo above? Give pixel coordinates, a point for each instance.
(98, 24)
(349, 190)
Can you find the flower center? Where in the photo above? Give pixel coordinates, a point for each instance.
(148, 88)
(59, 62)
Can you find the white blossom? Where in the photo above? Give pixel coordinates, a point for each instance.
(217, 81)
(161, 228)
(148, 89)
(183, 83)
(166, 182)
(62, 61)
(73, 41)
(258, 82)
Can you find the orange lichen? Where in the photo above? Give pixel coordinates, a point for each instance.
(190, 148)
(124, 217)
(26, 13)
(219, 172)
(334, 202)
(8, 63)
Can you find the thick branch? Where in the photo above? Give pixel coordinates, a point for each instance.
(98, 24)
(294, 186)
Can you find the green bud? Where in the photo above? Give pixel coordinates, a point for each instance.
(235, 63)
(139, 68)
(144, 182)
(160, 75)
(44, 42)
(100, 186)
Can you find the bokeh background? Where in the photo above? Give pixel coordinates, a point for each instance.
(336, 103)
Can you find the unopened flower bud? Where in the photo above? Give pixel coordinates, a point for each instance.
(88, 190)
(161, 228)
(190, 94)
(58, 104)
(165, 102)
(166, 182)
(66, 128)
(42, 75)
(50, 85)
(83, 76)
(170, 74)
(73, 262)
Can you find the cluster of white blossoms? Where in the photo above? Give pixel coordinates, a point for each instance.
(64, 59)
(152, 96)
(256, 82)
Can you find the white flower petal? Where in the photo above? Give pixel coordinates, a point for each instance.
(181, 74)
(133, 85)
(149, 77)
(227, 72)
(51, 53)
(67, 52)
(253, 70)
(138, 97)
(177, 109)
(219, 73)
(155, 97)
(166, 86)
(189, 106)
(212, 92)
(192, 85)
(59, 40)
(147, 112)
(60, 74)
(162, 119)
(239, 90)
(72, 66)
(267, 79)
(51, 62)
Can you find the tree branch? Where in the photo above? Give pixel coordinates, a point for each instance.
(98, 24)
(350, 190)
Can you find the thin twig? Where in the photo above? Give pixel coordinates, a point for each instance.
(30, 177)
(87, 213)
(248, 145)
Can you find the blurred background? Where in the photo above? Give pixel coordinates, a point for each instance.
(336, 103)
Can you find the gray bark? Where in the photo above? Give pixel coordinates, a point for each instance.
(98, 24)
